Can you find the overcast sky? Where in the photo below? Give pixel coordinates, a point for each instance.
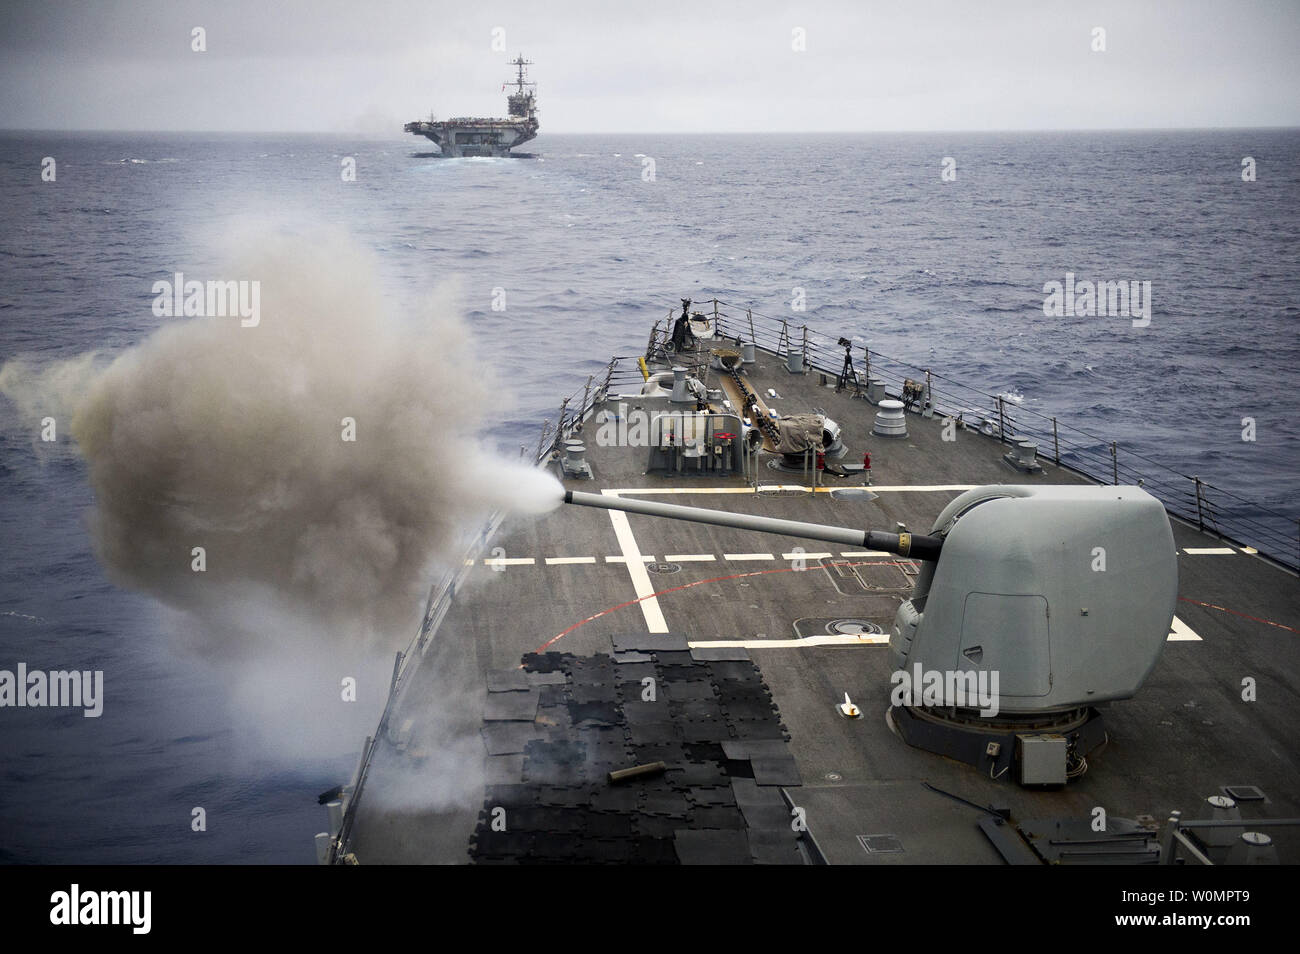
(652, 65)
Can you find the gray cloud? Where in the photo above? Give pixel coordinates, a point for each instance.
(663, 66)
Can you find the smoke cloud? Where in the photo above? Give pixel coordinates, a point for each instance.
(287, 491)
(322, 460)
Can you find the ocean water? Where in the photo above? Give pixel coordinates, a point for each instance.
(589, 250)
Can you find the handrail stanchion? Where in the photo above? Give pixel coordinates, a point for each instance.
(541, 439)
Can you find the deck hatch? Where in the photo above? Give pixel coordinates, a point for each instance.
(1010, 635)
(1244, 793)
(880, 844)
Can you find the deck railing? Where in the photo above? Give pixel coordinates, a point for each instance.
(573, 410)
(441, 595)
(1213, 509)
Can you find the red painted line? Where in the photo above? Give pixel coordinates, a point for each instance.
(686, 586)
(1257, 619)
(789, 569)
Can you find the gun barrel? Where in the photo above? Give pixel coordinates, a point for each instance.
(914, 545)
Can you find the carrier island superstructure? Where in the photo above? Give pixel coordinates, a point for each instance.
(474, 136)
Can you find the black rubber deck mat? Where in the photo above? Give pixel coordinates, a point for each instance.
(737, 670)
(504, 769)
(712, 796)
(720, 653)
(681, 657)
(508, 738)
(544, 662)
(511, 706)
(647, 713)
(624, 659)
(635, 672)
(588, 692)
(594, 713)
(694, 691)
(546, 678)
(650, 642)
(712, 723)
(667, 752)
(704, 847)
(776, 817)
(749, 792)
(776, 771)
(671, 803)
(691, 775)
(773, 847)
(758, 728)
(507, 680)
(656, 733)
(705, 731)
(697, 710)
(722, 817)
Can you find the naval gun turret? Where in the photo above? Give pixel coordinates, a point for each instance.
(1033, 605)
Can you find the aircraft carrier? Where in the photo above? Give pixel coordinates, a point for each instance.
(472, 136)
(727, 684)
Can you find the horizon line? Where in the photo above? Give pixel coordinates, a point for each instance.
(662, 132)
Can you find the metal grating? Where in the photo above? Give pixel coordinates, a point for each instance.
(880, 844)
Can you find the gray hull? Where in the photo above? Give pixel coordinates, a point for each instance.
(487, 138)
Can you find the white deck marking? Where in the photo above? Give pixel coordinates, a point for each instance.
(805, 556)
(748, 556)
(1250, 550)
(862, 553)
(1180, 632)
(624, 559)
(689, 557)
(565, 561)
(827, 640)
(509, 561)
(654, 617)
(901, 488)
(1209, 551)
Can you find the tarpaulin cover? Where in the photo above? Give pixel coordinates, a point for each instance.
(798, 433)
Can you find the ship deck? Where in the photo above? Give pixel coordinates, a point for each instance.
(571, 581)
